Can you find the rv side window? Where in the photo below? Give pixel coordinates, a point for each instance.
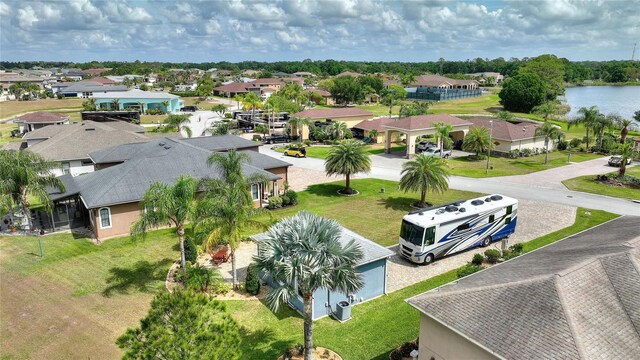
(463, 227)
(509, 209)
(507, 221)
(492, 218)
(430, 236)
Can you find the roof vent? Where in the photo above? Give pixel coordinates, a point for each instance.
(161, 144)
(451, 208)
(496, 197)
(487, 200)
(477, 202)
(89, 129)
(462, 209)
(168, 147)
(458, 203)
(440, 211)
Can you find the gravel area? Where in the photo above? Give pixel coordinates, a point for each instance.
(300, 178)
(535, 219)
(244, 254)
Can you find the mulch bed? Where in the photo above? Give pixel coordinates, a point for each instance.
(320, 353)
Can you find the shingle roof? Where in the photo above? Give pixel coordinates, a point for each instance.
(370, 250)
(349, 73)
(42, 117)
(159, 160)
(333, 113)
(578, 298)
(420, 122)
(76, 141)
(135, 94)
(437, 80)
(221, 142)
(93, 86)
(374, 124)
(505, 130)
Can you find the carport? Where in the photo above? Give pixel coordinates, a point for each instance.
(416, 126)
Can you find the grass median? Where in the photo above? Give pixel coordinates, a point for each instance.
(589, 184)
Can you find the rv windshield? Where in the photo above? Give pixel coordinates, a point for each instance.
(412, 233)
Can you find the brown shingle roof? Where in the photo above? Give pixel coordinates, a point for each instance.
(349, 73)
(437, 80)
(374, 124)
(333, 113)
(505, 130)
(42, 117)
(420, 122)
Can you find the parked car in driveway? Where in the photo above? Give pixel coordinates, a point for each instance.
(424, 145)
(276, 138)
(297, 151)
(189, 108)
(616, 160)
(435, 151)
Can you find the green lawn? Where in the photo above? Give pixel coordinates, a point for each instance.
(11, 108)
(322, 152)
(505, 167)
(588, 184)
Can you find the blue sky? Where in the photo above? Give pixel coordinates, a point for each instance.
(236, 30)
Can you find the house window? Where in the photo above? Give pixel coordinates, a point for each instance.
(66, 166)
(255, 192)
(105, 218)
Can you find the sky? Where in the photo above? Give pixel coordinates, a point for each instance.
(362, 30)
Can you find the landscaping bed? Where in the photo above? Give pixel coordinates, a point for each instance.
(609, 184)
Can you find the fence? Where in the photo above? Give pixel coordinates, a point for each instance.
(436, 94)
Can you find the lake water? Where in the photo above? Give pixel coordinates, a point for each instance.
(624, 100)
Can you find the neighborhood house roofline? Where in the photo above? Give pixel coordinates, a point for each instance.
(425, 122)
(135, 94)
(333, 113)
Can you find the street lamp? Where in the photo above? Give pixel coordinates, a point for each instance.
(489, 147)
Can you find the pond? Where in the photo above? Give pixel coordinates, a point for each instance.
(623, 100)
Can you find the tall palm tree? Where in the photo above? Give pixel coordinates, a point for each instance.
(477, 140)
(115, 104)
(588, 119)
(162, 204)
(165, 103)
(624, 125)
(178, 123)
(442, 132)
(603, 123)
(302, 254)
(24, 173)
(251, 101)
(219, 109)
(548, 109)
(549, 132)
(226, 210)
(337, 130)
(238, 98)
(627, 152)
(347, 158)
(425, 174)
(299, 122)
(407, 79)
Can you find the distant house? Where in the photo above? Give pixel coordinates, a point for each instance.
(107, 200)
(484, 77)
(85, 89)
(71, 144)
(326, 96)
(575, 299)
(349, 73)
(441, 82)
(95, 71)
(348, 115)
(507, 137)
(185, 87)
(304, 74)
(37, 120)
(138, 98)
(372, 267)
(636, 143)
(364, 128)
(256, 86)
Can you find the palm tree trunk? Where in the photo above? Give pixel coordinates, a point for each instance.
(234, 275)
(587, 130)
(546, 151)
(423, 196)
(308, 328)
(348, 183)
(623, 135)
(623, 167)
(183, 260)
(25, 209)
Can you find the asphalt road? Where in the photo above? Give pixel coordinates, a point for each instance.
(388, 168)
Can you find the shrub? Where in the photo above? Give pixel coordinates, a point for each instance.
(228, 115)
(407, 348)
(275, 202)
(517, 247)
(220, 287)
(563, 145)
(395, 355)
(308, 142)
(492, 256)
(468, 270)
(190, 250)
(292, 196)
(285, 200)
(527, 152)
(199, 277)
(575, 142)
(477, 259)
(514, 154)
(252, 282)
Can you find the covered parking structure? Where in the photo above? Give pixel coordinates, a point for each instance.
(414, 127)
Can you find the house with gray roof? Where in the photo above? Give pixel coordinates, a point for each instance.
(372, 267)
(578, 298)
(88, 88)
(40, 119)
(70, 144)
(107, 200)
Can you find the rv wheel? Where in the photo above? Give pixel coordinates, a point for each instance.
(486, 241)
(428, 259)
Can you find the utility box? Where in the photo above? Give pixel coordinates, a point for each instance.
(343, 311)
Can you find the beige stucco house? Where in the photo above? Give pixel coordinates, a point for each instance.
(507, 137)
(351, 116)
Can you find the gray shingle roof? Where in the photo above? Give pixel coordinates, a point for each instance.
(92, 86)
(265, 161)
(221, 142)
(371, 251)
(575, 299)
(159, 160)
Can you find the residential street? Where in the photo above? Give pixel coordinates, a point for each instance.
(542, 186)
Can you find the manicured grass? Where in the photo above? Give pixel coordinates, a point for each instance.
(588, 184)
(372, 214)
(322, 152)
(152, 119)
(5, 133)
(585, 219)
(11, 108)
(484, 104)
(505, 167)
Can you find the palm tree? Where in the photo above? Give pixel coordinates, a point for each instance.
(505, 115)
(166, 105)
(478, 140)
(226, 210)
(425, 173)
(549, 132)
(588, 119)
(238, 98)
(407, 79)
(251, 101)
(347, 158)
(115, 104)
(442, 132)
(548, 109)
(627, 152)
(164, 204)
(178, 123)
(24, 173)
(299, 122)
(219, 109)
(337, 130)
(624, 125)
(302, 254)
(373, 135)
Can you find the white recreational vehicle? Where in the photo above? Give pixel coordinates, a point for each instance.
(431, 233)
